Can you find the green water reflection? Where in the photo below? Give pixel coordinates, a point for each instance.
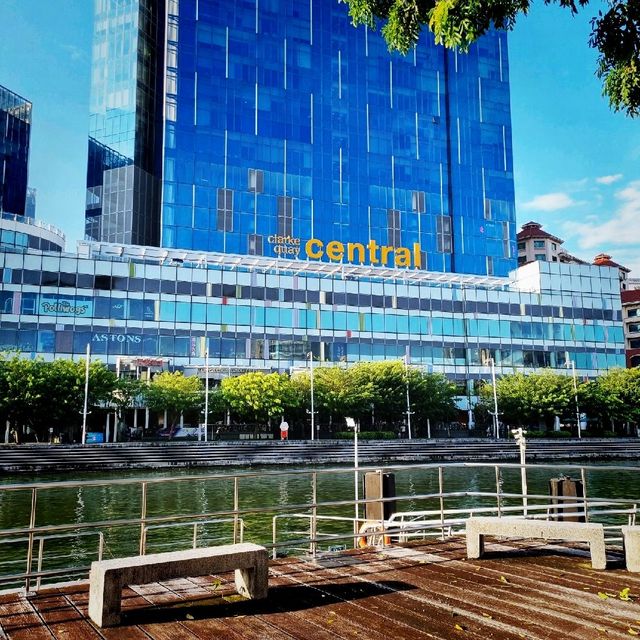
(261, 496)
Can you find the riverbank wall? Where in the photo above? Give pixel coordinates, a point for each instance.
(30, 458)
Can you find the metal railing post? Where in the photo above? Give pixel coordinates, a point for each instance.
(236, 506)
(441, 490)
(32, 524)
(143, 516)
(314, 513)
(40, 558)
(583, 477)
(498, 498)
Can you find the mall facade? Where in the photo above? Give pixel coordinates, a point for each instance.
(167, 309)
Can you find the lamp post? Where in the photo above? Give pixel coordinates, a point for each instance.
(406, 374)
(313, 414)
(496, 429)
(86, 394)
(572, 364)
(206, 395)
(521, 441)
(352, 424)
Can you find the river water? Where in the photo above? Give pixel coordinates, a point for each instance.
(262, 494)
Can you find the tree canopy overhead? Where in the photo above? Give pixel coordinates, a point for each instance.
(615, 33)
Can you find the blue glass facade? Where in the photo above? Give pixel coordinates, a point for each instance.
(125, 126)
(283, 124)
(15, 132)
(257, 313)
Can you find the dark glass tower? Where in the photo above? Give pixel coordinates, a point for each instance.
(15, 131)
(125, 131)
(287, 133)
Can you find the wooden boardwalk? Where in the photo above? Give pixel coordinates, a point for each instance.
(426, 590)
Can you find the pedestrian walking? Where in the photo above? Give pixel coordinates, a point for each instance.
(284, 430)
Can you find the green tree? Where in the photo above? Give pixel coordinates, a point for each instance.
(174, 393)
(530, 399)
(217, 405)
(41, 395)
(125, 393)
(258, 396)
(432, 397)
(459, 23)
(336, 392)
(387, 388)
(620, 390)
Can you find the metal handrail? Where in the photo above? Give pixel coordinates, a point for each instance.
(195, 529)
(445, 514)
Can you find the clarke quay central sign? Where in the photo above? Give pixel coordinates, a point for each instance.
(351, 252)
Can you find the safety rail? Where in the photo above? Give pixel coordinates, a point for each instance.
(434, 496)
(195, 525)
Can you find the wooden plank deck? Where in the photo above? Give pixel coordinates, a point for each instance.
(424, 590)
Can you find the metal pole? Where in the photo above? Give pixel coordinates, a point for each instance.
(206, 395)
(575, 391)
(86, 395)
(313, 415)
(519, 436)
(406, 372)
(495, 399)
(355, 477)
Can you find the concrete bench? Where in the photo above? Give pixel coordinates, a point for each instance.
(108, 577)
(478, 528)
(631, 543)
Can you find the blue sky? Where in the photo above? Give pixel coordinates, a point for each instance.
(577, 164)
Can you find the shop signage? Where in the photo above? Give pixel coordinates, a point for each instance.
(116, 337)
(54, 307)
(285, 245)
(351, 252)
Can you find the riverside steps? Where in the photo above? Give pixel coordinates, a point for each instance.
(158, 455)
(427, 589)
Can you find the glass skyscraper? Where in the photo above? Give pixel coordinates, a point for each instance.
(125, 129)
(15, 132)
(276, 129)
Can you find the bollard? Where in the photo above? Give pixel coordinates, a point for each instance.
(571, 491)
(379, 485)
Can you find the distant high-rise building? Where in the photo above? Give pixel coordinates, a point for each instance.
(277, 129)
(30, 206)
(15, 131)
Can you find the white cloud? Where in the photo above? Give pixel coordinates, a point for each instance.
(609, 179)
(76, 54)
(621, 229)
(550, 202)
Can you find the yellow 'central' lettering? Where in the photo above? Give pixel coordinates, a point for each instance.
(371, 252)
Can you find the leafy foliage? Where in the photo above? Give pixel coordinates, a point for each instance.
(40, 395)
(336, 392)
(174, 393)
(530, 399)
(459, 23)
(259, 396)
